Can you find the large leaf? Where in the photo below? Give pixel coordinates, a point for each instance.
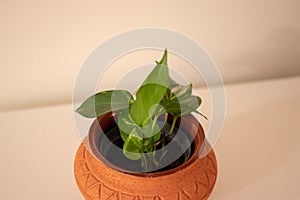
(151, 92)
(147, 96)
(104, 102)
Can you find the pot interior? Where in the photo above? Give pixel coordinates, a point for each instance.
(179, 148)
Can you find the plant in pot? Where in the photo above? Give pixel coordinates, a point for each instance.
(145, 147)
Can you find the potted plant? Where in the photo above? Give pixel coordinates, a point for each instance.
(145, 147)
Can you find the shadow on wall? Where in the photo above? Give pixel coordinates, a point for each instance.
(276, 55)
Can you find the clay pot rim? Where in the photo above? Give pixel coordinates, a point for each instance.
(199, 139)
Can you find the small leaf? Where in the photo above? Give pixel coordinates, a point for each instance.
(151, 133)
(184, 107)
(181, 91)
(146, 142)
(137, 141)
(104, 102)
(151, 130)
(157, 137)
(123, 134)
(126, 125)
(130, 149)
(156, 110)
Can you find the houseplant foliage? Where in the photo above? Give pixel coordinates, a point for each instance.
(159, 96)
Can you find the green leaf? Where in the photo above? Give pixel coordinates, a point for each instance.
(126, 125)
(157, 137)
(172, 84)
(124, 135)
(131, 150)
(151, 92)
(104, 102)
(181, 92)
(136, 140)
(183, 107)
(164, 59)
(156, 110)
(151, 135)
(151, 130)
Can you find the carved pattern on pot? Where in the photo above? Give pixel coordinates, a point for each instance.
(95, 189)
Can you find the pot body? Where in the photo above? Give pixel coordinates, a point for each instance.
(193, 179)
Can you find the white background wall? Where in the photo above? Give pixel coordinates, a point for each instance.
(43, 43)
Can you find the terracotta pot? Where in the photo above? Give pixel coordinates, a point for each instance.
(97, 180)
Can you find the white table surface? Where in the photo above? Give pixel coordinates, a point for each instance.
(258, 152)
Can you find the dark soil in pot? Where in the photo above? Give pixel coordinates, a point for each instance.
(179, 147)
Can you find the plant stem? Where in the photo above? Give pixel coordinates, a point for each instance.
(154, 160)
(154, 122)
(164, 132)
(173, 125)
(145, 163)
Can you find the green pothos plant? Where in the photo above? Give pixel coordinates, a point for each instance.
(137, 117)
